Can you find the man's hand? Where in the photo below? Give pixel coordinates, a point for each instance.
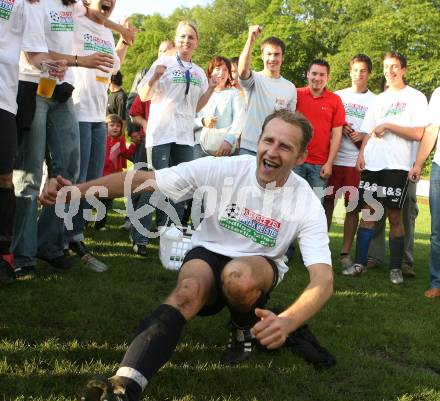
(347, 129)
(51, 189)
(129, 32)
(414, 174)
(254, 32)
(360, 162)
(272, 330)
(326, 171)
(209, 122)
(224, 149)
(100, 61)
(136, 137)
(379, 131)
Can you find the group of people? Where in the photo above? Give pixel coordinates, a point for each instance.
(293, 152)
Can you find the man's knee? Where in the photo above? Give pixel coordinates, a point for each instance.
(395, 217)
(239, 286)
(188, 297)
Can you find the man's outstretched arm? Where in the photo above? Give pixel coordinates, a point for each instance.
(272, 330)
(118, 184)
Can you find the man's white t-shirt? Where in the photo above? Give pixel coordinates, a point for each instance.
(434, 119)
(171, 112)
(264, 95)
(58, 21)
(406, 107)
(356, 106)
(90, 94)
(242, 218)
(18, 30)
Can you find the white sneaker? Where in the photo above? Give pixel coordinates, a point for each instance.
(354, 270)
(396, 276)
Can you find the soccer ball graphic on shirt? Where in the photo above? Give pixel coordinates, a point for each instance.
(54, 16)
(232, 211)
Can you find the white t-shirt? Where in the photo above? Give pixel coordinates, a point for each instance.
(406, 107)
(58, 22)
(171, 112)
(264, 95)
(243, 219)
(90, 94)
(356, 106)
(18, 30)
(434, 119)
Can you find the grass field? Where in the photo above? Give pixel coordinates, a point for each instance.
(59, 329)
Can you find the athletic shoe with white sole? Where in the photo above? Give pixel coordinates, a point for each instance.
(354, 270)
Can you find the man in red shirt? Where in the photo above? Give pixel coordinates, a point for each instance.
(326, 113)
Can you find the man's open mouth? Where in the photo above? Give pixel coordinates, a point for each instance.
(105, 7)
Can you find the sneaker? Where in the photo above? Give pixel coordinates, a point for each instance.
(25, 273)
(126, 226)
(373, 263)
(345, 261)
(354, 270)
(101, 388)
(140, 249)
(408, 271)
(60, 262)
(239, 346)
(396, 276)
(90, 261)
(7, 275)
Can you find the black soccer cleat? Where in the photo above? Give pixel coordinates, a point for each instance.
(101, 388)
(239, 346)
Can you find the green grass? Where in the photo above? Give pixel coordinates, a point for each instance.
(59, 329)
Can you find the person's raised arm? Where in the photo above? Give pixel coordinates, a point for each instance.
(212, 83)
(244, 62)
(145, 90)
(272, 330)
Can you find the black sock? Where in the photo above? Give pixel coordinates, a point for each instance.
(7, 212)
(397, 246)
(154, 343)
(246, 320)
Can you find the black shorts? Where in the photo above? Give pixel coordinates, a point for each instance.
(388, 187)
(8, 139)
(217, 263)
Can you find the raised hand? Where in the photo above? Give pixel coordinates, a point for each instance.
(254, 32)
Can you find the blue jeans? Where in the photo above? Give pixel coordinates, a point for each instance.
(244, 151)
(161, 156)
(310, 172)
(54, 132)
(434, 206)
(93, 137)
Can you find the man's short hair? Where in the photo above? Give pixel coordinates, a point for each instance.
(398, 56)
(362, 58)
(293, 118)
(273, 41)
(116, 79)
(319, 61)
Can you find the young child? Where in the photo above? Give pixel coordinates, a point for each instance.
(116, 156)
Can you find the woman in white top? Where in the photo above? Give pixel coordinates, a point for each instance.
(221, 118)
(177, 88)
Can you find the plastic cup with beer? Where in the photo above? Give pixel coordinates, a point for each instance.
(48, 79)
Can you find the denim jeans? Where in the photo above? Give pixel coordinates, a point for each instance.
(54, 133)
(434, 206)
(311, 173)
(93, 137)
(247, 152)
(161, 156)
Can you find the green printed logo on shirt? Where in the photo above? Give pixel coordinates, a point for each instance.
(61, 21)
(96, 44)
(355, 110)
(395, 109)
(178, 77)
(6, 7)
(260, 229)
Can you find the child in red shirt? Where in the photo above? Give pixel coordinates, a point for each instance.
(116, 156)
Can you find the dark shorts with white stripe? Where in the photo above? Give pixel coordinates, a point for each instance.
(217, 263)
(388, 187)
